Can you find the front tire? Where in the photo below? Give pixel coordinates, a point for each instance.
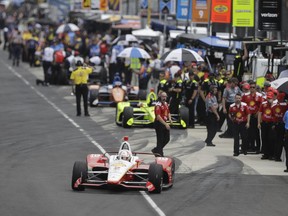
(116, 117)
(127, 114)
(93, 95)
(79, 171)
(184, 115)
(155, 176)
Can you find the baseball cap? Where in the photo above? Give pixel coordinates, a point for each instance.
(246, 86)
(267, 84)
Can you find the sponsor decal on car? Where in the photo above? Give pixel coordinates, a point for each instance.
(150, 186)
(78, 182)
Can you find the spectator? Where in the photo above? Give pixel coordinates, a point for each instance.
(279, 110)
(175, 94)
(229, 98)
(285, 120)
(47, 60)
(253, 99)
(32, 45)
(239, 64)
(79, 78)
(162, 128)
(191, 90)
(17, 43)
(240, 117)
(266, 120)
(212, 116)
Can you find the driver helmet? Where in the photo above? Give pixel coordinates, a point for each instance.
(125, 155)
(79, 61)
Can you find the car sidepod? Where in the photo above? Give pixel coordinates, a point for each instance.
(168, 165)
(79, 176)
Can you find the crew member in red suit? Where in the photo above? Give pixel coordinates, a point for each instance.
(279, 110)
(162, 128)
(240, 116)
(266, 122)
(253, 99)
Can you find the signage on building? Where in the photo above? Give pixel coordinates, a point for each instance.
(270, 15)
(221, 11)
(184, 9)
(167, 6)
(200, 11)
(243, 13)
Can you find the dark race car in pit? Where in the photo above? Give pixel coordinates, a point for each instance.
(109, 94)
(125, 169)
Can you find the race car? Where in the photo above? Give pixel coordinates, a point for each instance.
(110, 94)
(141, 113)
(124, 169)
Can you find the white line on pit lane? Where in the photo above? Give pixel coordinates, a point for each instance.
(143, 193)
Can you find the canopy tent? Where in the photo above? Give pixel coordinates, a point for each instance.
(146, 32)
(158, 26)
(191, 39)
(217, 43)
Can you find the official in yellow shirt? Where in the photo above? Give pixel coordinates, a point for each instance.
(79, 78)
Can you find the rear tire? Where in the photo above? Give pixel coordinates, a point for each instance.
(184, 115)
(127, 114)
(155, 176)
(93, 95)
(116, 116)
(173, 172)
(79, 171)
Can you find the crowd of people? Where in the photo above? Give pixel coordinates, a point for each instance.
(211, 96)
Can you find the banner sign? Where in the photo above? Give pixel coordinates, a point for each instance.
(114, 5)
(86, 4)
(221, 11)
(99, 5)
(270, 15)
(167, 6)
(200, 11)
(144, 4)
(184, 9)
(243, 13)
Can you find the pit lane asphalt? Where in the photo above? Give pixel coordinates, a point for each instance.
(39, 146)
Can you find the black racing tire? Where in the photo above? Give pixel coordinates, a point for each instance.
(127, 114)
(155, 176)
(142, 94)
(184, 115)
(116, 113)
(173, 167)
(93, 95)
(79, 170)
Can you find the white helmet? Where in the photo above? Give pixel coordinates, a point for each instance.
(125, 155)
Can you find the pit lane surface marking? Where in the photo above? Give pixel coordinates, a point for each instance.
(143, 193)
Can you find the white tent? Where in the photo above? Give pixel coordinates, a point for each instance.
(147, 32)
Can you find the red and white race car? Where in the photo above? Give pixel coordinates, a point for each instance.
(124, 169)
